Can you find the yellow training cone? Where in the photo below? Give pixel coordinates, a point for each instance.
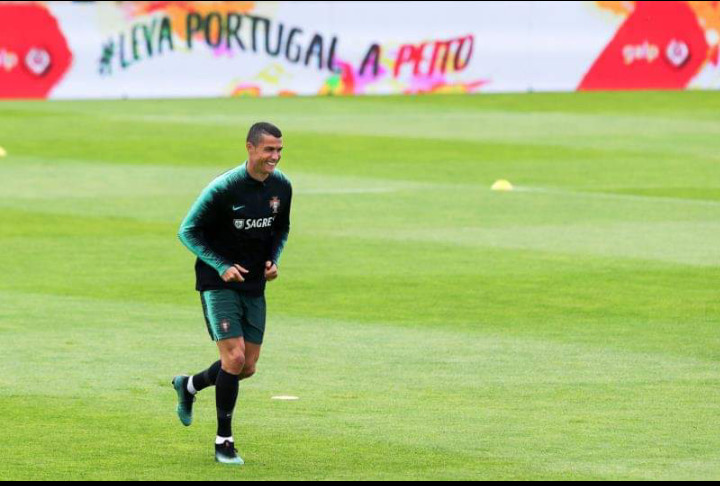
(3, 153)
(502, 185)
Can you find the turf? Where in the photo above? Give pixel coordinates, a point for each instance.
(432, 328)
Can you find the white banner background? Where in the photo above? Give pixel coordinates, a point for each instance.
(516, 46)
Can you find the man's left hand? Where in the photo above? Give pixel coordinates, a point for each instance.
(271, 271)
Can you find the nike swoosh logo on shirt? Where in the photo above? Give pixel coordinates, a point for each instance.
(237, 208)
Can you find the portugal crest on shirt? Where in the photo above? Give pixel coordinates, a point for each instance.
(275, 205)
(239, 223)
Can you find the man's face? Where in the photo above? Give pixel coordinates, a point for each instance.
(265, 156)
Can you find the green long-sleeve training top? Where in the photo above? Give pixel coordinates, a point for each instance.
(238, 220)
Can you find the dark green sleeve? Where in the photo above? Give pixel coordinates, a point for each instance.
(204, 213)
(282, 232)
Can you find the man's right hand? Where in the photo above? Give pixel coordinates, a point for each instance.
(234, 274)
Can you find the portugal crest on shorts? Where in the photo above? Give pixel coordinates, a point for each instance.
(225, 326)
(275, 205)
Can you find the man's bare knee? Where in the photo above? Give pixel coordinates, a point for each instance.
(234, 362)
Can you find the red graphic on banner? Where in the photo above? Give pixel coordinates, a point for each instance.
(34, 55)
(660, 46)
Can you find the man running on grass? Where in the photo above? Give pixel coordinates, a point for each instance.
(237, 229)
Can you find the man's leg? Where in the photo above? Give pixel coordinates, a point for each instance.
(252, 355)
(223, 312)
(204, 379)
(253, 324)
(232, 358)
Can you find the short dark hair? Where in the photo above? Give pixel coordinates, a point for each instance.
(256, 132)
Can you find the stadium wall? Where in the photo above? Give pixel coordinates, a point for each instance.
(75, 50)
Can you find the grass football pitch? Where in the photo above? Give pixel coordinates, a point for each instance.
(432, 328)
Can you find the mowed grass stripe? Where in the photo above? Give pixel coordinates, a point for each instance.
(162, 193)
(692, 243)
(464, 403)
(531, 164)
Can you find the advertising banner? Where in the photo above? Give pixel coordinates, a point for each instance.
(76, 50)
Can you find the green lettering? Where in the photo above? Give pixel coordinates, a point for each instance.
(165, 34)
(194, 24)
(148, 32)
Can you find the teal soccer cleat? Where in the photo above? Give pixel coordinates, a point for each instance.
(185, 400)
(226, 453)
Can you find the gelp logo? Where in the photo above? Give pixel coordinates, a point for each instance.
(644, 52)
(34, 55)
(661, 45)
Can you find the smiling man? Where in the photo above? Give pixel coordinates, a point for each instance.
(237, 228)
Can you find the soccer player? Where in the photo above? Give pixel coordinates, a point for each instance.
(237, 228)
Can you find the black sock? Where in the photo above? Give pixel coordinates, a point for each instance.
(226, 392)
(206, 378)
